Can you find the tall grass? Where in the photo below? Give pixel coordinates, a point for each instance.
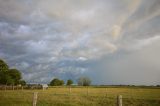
(61, 96)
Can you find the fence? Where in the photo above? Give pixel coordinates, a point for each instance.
(83, 96)
(11, 87)
(4, 87)
(35, 97)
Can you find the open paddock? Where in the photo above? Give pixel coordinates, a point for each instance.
(82, 96)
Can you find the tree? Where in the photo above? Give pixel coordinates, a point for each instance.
(9, 80)
(22, 82)
(15, 75)
(56, 82)
(80, 81)
(69, 82)
(4, 77)
(3, 72)
(3, 66)
(84, 81)
(9, 76)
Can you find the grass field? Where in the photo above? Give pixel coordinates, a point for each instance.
(82, 96)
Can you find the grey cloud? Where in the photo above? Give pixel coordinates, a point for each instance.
(54, 38)
(142, 21)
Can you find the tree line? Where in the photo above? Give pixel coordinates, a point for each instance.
(82, 81)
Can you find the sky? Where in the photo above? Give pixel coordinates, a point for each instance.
(109, 41)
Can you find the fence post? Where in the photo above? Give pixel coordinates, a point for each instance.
(87, 91)
(119, 100)
(70, 89)
(5, 88)
(35, 96)
(13, 88)
(106, 92)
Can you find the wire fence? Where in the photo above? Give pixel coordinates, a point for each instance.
(82, 96)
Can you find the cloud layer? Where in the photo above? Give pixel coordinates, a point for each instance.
(111, 41)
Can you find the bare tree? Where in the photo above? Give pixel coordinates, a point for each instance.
(83, 81)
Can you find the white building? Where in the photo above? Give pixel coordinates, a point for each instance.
(44, 86)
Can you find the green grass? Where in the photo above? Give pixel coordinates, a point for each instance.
(60, 96)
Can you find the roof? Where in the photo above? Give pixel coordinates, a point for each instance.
(44, 85)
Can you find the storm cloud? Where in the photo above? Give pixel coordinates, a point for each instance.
(111, 41)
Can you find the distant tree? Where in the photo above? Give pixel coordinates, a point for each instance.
(15, 75)
(80, 81)
(9, 76)
(22, 82)
(157, 85)
(4, 77)
(69, 82)
(84, 81)
(9, 80)
(3, 72)
(3, 66)
(61, 82)
(56, 82)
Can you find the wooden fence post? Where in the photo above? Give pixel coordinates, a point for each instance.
(35, 96)
(87, 91)
(13, 88)
(106, 92)
(5, 88)
(119, 100)
(70, 89)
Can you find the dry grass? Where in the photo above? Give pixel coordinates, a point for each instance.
(61, 96)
